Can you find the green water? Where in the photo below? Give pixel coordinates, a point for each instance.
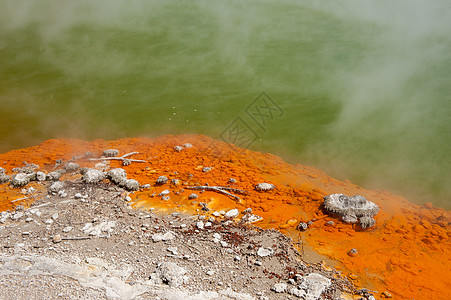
(363, 88)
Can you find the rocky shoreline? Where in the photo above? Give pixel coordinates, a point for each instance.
(88, 242)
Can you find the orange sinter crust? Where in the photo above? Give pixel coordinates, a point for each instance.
(407, 253)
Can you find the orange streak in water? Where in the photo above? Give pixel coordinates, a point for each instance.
(407, 253)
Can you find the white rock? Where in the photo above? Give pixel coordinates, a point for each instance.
(200, 225)
(93, 176)
(216, 214)
(173, 250)
(40, 176)
(78, 196)
(250, 218)
(207, 224)
(28, 220)
(314, 285)
(17, 215)
(56, 187)
(280, 287)
(157, 237)
(263, 252)
(31, 190)
(97, 230)
(264, 187)
(55, 216)
(297, 292)
(48, 221)
(216, 237)
(67, 229)
(233, 213)
(170, 274)
(100, 166)
(210, 273)
(62, 194)
(164, 193)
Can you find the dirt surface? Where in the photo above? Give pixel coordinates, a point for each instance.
(88, 243)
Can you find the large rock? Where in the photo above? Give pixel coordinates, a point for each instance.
(117, 176)
(93, 176)
(352, 209)
(20, 180)
(169, 273)
(312, 286)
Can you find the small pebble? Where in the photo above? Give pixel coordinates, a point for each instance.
(162, 180)
(302, 226)
(200, 225)
(353, 252)
(330, 223)
(67, 229)
(164, 193)
(57, 238)
(233, 213)
(247, 211)
(386, 294)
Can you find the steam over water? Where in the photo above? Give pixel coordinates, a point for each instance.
(365, 86)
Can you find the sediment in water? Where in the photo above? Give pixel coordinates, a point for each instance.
(406, 253)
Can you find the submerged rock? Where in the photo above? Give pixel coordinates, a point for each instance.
(352, 209)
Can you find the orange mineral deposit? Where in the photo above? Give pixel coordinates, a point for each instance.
(406, 255)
